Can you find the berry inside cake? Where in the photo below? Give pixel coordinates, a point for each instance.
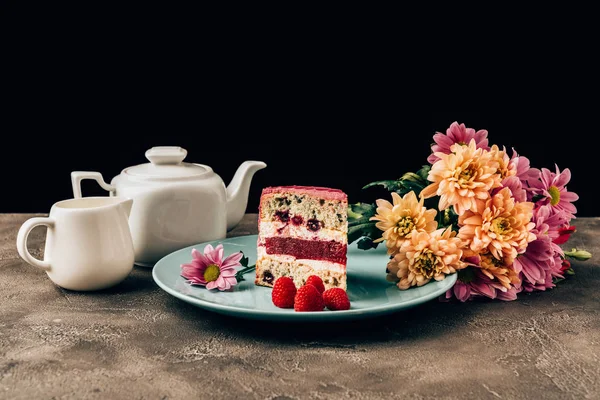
(302, 231)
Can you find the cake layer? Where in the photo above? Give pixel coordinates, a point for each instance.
(278, 228)
(310, 249)
(302, 231)
(317, 265)
(299, 209)
(315, 191)
(270, 268)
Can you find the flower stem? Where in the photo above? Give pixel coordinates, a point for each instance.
(243, 271)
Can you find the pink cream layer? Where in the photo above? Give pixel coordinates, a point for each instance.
(316, 191)
(309, 249)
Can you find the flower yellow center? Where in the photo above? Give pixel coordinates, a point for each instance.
(503, 171)
(404, 226)
(426, 264)
(490, 260)
(211, 273)
(554, 195)
(500, 226)
(466, 174)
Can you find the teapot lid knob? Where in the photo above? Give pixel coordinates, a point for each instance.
(166, 155)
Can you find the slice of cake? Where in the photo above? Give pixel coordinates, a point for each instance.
(302, 231)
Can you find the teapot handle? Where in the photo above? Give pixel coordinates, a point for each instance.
(78, 176)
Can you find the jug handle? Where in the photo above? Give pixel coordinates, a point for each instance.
(24, 231)
(78, 176)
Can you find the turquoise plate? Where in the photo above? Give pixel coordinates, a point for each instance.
(370, 294)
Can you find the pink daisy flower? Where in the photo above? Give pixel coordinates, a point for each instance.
(552, 187)
(211, 270)
(457, 134)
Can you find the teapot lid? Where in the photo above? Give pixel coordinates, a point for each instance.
(166, 162)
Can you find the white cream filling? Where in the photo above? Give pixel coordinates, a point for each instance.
(317, 265)
(278, 228)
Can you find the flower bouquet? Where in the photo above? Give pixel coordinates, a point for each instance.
(477, 211)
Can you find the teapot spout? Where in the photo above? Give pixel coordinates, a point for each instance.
(238, 191)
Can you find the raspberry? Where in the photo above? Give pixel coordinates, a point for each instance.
(336, 299)
(284, 292)
(316, 282)
(308, 298)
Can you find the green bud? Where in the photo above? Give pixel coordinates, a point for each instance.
(411, 176)
(446, 216)
(579, 255)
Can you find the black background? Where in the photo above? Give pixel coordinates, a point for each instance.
(87, 88)
(346, 150)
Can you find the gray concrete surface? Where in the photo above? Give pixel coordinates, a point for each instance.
(137, 342)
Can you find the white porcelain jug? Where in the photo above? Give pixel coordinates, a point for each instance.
(176, 204)
(88, 244)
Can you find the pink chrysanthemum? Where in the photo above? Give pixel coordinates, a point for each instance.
(539, 265)
(519, 172)
(553, 189)
(457, 134)
(472, 283)
(549, 222)
(516, 188)
(211, 270)
(523, 167)
(542, 261)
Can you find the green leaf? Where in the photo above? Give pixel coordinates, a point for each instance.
(424, 172)
(361, 210)
(570, 271)
(244, 260)
(536, 198)
(366, 243)
(392, 186)
(409, 186)
(239, 275)
(352, 215)
(365, 229)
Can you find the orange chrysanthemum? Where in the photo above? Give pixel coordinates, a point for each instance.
(463, 178)
(398, 221)
(496, 269)
(426, 256)
(505, 167)
(500, 226)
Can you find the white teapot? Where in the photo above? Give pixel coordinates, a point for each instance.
(176, 204)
